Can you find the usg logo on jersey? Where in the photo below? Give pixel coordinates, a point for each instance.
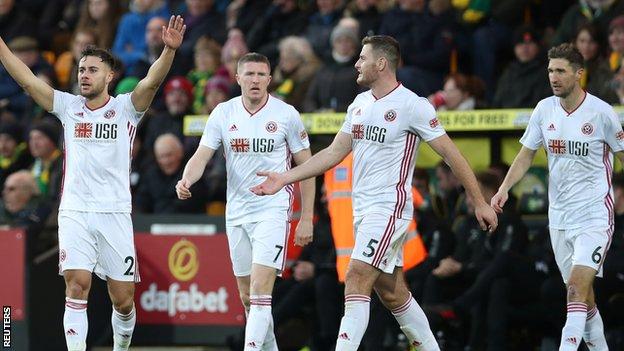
(368, 132)
(97, 131)
(568, 147)
(256, 145)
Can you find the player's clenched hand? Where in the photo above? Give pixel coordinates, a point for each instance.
(272, 184)
(487, 217)
(172, 34)
(303, 234)
(499, 200)
(182, 189)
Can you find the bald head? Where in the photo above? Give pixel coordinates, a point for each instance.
(169, 153)
(19, 188)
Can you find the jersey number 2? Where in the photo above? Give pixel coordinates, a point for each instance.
(130, 260)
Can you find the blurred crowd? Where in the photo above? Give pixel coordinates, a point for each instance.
(496, 292)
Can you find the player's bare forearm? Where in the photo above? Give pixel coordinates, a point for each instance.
(321, 161)
(196, 165)
(460, 167)
(145, 90)
(307, 187)
(42, 93)
(518, 168)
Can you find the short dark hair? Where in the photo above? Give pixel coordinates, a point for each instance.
(488, 180)
(567, 51)
(387, 46)
(104, 55)
(254, 57)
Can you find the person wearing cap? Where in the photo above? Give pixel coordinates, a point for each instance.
(47, 168)
(27, 50)
(14, 153)
(523, 82)
(333, 86)
(95, 232)
(178, 96)
(217, 91)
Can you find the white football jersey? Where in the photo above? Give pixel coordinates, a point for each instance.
(580, 146)
(96, 173)
(264, 140)
(385, 135)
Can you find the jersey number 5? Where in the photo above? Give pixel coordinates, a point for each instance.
(369, 247)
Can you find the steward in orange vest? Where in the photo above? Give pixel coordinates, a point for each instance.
(338, 184)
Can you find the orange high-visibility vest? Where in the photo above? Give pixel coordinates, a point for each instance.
(338, 185)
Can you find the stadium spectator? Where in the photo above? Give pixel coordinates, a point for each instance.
(296, 68)
(523, 82)
(207, 59)
(14, 155)
(66, 64)
(242, 14)
(368, 13)
(334, 87)
(233, 49)
(15, 22)
(451, 200)
(12, 96)
(102, 16)
(47, 167)
(320, 25)
(597, 76)
(178, 94)
(21, 206)
(130, 44)
(283, 18)
(598, 12)
(154, 43)
(460, 92)
(217, 91)
(156, 192)
(616, 43)
(202, 19)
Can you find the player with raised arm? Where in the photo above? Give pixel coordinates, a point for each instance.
(95, 228)
(580, 134)
(257, 131)
(383, 128)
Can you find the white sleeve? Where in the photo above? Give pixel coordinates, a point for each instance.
(423, 120)
(346, 125)
(614, 136)
(133, 115)
(60, 104)
(212, 137)
(296, 135)
(533, 138)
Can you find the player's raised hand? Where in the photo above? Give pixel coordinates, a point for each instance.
(486, 216)
(499, 200)
(272, 184)
(182, 189)
(304, 232)
(174, 32)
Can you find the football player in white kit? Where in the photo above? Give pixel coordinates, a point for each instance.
(383, 128)
(95, 228)
(580, 134)
(257, 131)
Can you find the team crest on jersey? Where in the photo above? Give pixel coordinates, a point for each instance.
(390, 115)
(109, 114)
(587, 129)
(83, 130)
(271, 127)
(434, 122)
(619, 135)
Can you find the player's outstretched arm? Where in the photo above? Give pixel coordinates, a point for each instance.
(41, 92)
(145, 91)
(304, 231)
(518, 168)
(446, 148)
(317, 164)
(193, 171)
